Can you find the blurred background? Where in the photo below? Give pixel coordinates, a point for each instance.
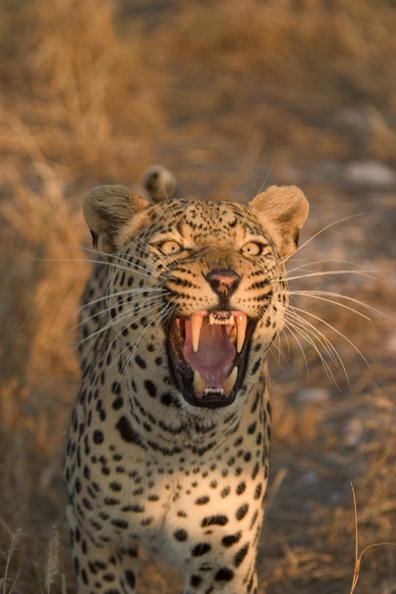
(232, 96)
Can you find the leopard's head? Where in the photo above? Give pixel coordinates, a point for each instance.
(200, 284)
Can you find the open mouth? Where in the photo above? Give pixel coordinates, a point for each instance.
(208, 354)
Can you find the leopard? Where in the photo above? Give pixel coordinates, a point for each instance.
(168, 445)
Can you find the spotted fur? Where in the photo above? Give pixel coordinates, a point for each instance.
(145, 465)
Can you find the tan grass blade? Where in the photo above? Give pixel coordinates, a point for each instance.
(14, 543)
(358, 558)
(52, 562)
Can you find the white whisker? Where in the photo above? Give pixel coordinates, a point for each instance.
(310, 333)
(329, 272)
(117, 256)
(325, 261)
(334, 330)
(360, 214)
(319, 295)
(162, 317)
(290, 329)
(104, 262)
(105, 297)
(309, 336)
(124, 292)
(106, 327)
(142, 304)
(330, 349)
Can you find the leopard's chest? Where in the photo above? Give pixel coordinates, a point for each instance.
(127, 483)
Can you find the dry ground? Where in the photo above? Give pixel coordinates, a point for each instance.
(231, 96)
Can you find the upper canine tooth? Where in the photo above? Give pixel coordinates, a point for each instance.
(196, 324)
(241, 321)
(199, 384)
(211, 319)
(229, 382)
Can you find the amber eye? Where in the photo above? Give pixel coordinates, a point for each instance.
(170, 247)
(252, 249)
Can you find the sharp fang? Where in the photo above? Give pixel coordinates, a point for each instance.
(196, 324)
(232, 335)
(229, 382)
(241, 321)
(211, 319)
(199, 384)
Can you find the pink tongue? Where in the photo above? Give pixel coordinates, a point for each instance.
(215, 351)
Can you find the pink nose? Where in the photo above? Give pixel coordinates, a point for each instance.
(223, 280)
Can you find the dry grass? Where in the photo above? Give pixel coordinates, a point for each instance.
(230, 95)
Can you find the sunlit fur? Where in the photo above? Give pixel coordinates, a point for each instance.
(142, 464)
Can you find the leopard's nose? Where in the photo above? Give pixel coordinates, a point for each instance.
(223, 281)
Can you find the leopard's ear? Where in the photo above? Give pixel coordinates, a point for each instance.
(281, 211)
(109, 212)
(159, 183)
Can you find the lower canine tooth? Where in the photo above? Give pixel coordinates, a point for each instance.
(199, 384)
(229, 382)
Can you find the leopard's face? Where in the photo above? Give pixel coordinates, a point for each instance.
(200, 286)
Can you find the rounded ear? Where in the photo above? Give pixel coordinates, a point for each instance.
(160, 183)
(108, 210)
(281, 211)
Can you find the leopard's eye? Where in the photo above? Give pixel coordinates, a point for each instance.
(252, 249)
(170, 247)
